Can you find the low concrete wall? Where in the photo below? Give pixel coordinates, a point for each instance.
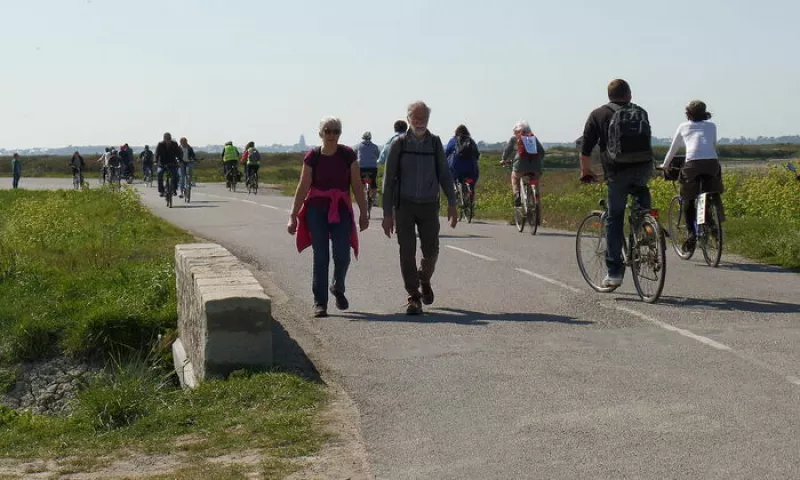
(223, 315)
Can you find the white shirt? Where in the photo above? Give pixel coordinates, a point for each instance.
(699, 138)
(105, 158)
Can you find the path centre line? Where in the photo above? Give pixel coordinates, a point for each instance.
(549, 280)
(476, 255)
(672, 328)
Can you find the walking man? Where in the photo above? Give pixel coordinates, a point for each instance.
(16, 170)
(416, 169)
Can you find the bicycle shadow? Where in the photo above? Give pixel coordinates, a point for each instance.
(726, 304)
(463, 317)
(756, 268)
(192, 205)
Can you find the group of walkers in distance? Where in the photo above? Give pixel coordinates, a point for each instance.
(418, 168)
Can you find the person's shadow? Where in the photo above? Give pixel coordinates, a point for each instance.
(463, 317)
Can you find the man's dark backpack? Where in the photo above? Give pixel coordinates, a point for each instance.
(629, 135)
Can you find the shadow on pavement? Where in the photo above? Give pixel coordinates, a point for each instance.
(555, 234)
(727, 304)
(465, 236)
(192, 205)
(755, 267)
(463, 317)
(289, 357)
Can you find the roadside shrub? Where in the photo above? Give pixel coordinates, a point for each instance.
(121, 398)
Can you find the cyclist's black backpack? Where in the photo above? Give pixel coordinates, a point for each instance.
(254, 156)
(629, 135)
(466, 149)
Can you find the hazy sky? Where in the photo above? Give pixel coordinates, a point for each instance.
(115, 71)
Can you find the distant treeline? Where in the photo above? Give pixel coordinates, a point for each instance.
(557, 157)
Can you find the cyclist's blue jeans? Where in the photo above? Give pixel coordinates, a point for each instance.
(630, 181)
(323, 235)
(173, 170)
(15, 180)
(185, 169)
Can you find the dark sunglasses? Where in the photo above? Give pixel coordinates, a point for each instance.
(330, 131)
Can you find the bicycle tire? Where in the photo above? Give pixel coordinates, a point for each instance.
(255, 183)
(677, 230)
(713, 211)
(650, 232)
(596, 248)
(520, 213)
(470, 204)
(533, 210)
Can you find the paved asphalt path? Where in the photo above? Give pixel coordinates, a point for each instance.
(519, 370)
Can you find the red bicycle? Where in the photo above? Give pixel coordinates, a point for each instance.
(368, 194)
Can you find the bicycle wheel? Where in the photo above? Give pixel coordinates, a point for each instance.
(168, 189)
(678, 232)
(76, 181)
(533, 210)
(187, 193)
(255, 183)
(470, 203)
(520, 213)
(711, 241)
(590, 251)
(649, 260)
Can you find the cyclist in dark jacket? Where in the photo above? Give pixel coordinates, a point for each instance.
(168, 154)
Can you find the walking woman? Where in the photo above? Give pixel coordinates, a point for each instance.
(699, 136)
(322, 214)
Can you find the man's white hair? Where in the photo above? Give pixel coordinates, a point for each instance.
(416, 105)
(330, 122)
(522, 126)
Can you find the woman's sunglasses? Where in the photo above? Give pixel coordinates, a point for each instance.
(331, 131)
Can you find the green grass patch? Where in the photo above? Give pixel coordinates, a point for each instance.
(89, 274)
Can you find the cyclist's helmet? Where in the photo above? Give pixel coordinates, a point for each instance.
(367, 136)
(229, 142)
(147, 147)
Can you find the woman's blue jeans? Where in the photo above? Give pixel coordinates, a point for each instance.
(323, 235)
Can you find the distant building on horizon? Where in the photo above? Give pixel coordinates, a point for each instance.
(302, 142)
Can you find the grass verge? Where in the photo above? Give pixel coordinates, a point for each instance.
(89, 274)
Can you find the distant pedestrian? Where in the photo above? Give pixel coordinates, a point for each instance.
(416, 169)
(16, 169)
(77, 165)
(322, 214)
(400, 127)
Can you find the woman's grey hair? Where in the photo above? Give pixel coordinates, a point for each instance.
(416, 105)
(522, 126)
(327, 122)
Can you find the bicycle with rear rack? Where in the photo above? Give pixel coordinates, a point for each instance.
(707, 223)
(530, 208)
(465, 196)
(369, 194)
(252, 183)
(643, 251)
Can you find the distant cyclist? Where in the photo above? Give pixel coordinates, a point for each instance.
(400, 127)
(699, 137)
(168, 154)
(367, 154)
(126, 157)
(525, 157)
(146, 157)
(251, 159)
(186, 167)
(77, 165)
(230, 155)
(104, 158)
(462, 156)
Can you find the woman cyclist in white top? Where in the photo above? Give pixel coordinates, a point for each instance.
(699, 136)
